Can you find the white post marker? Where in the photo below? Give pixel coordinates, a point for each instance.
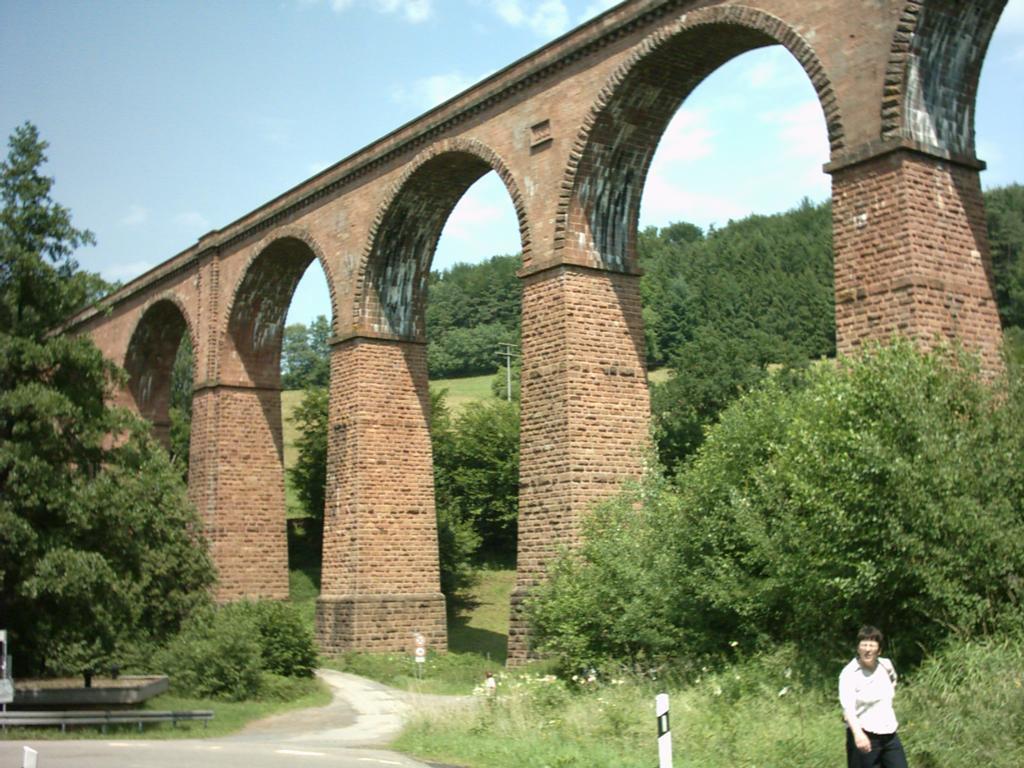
(29, 760)
(664, 733)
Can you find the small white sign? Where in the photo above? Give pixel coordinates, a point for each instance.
(6, 691)
(29, 759)
(421, 641)
(421, 654)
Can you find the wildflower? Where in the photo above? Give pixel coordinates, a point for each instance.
(788, 673)
(734, 643)
(718, 690)
(784, 691)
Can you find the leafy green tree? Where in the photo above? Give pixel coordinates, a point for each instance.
(1005, 210)
(458, 542)
(99, 548)
(888, 489)
(181, 404)
(721, 308)
(309, 473)
(472, 309)
(476, 474)
(468, 351)
(306, 355)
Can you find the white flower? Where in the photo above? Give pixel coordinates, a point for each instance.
(784, 691)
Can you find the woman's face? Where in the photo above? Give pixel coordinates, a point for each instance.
(867, 653)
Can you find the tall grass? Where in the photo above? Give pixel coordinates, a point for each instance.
(964, 706)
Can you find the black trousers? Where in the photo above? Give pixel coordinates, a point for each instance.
(886, 751)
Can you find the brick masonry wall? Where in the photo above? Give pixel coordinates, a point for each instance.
(380, 582)
(912, 256)
(236, 481)
(584, 416)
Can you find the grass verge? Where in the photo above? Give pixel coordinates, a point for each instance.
(962, 707)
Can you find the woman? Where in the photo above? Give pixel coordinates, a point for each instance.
(866, 689)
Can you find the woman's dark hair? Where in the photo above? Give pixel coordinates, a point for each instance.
(867, 632)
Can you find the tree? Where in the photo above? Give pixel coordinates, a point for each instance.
(99, 548)
(182, 375)
(886, 489)
(721, 308)
(306, 355)
(476, 473)
(309, 473)
(472, 310)
(1005, 209)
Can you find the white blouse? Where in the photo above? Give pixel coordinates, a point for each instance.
(869, 694)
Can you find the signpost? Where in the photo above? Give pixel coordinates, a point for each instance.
(664, 733)
(6, 683)
(420, 653)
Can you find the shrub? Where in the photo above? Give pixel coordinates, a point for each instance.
(215, 656)
(234, 652)
(887, 490)
(286, 644)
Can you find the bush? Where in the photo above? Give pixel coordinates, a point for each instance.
(236, 651)
(215, 656)
(887, 490)
(286, 644)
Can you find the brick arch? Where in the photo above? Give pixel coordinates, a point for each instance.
(394, 268)
(255, 315)
(150, 354)
(932, 73)
(602, 183)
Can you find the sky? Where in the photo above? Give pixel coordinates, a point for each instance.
(169, 118)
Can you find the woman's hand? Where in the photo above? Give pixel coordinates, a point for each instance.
(862, 741)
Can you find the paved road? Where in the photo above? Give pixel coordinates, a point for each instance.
(350, 732)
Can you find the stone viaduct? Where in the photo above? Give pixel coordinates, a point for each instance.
(570, 130)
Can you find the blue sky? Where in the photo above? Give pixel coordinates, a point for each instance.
(168, 119)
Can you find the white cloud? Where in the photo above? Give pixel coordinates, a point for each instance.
(125, 271)
(471, 215)
(595, 8)
(665, 200)
(413, 11)
(688, 137)
(136, 215)
(193, 220)
(427, 92)
(801, 130)
(547, 18)
(763, 73)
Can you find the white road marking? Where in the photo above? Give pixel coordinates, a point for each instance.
(376, 760)
(300, 752)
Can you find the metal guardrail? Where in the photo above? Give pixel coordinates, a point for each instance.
(103, 718)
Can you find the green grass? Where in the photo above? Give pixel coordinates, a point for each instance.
(963, 707)
(304, 571)
(466, 390)
(482, 627)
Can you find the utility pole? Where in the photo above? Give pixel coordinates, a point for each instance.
(508, 354)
